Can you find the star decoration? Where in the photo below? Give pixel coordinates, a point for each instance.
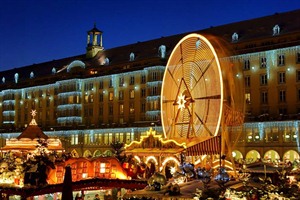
(33, 113)
(181, 102)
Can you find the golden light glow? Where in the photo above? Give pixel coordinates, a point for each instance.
(151, 158)
(181, 102)
(153, 132)
(167, 160)
(187, 73)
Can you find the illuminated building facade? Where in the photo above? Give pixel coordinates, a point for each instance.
(91, 100)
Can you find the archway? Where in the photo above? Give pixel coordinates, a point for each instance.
(237, 155)
(291, 155)
(252, 156)
(271, 155)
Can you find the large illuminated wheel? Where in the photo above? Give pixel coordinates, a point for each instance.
(192, 91)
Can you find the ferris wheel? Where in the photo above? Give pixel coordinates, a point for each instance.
(192, 91)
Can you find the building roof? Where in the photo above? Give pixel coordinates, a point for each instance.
(32, 132)
(146, 53)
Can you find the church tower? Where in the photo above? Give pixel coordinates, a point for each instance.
(94, 42)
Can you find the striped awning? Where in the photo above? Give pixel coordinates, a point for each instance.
(210, 146)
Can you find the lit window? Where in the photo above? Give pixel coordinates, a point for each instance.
(248, 98)
(131, 108)
(102, 168)
(131, 94)
(121, 109)
(111, 96)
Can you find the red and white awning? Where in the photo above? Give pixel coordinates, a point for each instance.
(210, 146)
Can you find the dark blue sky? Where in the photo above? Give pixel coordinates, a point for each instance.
(34, 31)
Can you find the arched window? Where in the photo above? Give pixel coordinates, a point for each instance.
(106, 62)
(131, 56)
(276, 30)
(234, 37)
(53, 70)
(162, 51)
(31, 75)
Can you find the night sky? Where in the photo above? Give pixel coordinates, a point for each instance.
(35, 31)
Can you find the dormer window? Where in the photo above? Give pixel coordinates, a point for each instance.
(31, 75)
(276, 30)
(53, 70)
(106, 62)
(162, 51)
(234, 37)
(16, 77)
(131, 56)
(3, 79)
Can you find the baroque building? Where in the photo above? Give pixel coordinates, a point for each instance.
(89, 101)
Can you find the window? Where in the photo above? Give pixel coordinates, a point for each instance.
(263, 62)
(143, 91)
(121, 109)
(111, 96)
(121, 95)
(143, 107)
(264, 97)
(154, 76)
(131, 56)
(131, 80)
(110, 83)
(298, 57)
(247, 81)
(282, 96)
(101, 84)
(276, 30)
(111, 109)
(247, 64)
(100, 110)
(281, 77)
(121, 81)
(248, 98)
(263, 79)
(131, 94)
(100, 97)
(281, 61)
(143, 78)
(131, 108)
(234, 37)
(298, 75)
